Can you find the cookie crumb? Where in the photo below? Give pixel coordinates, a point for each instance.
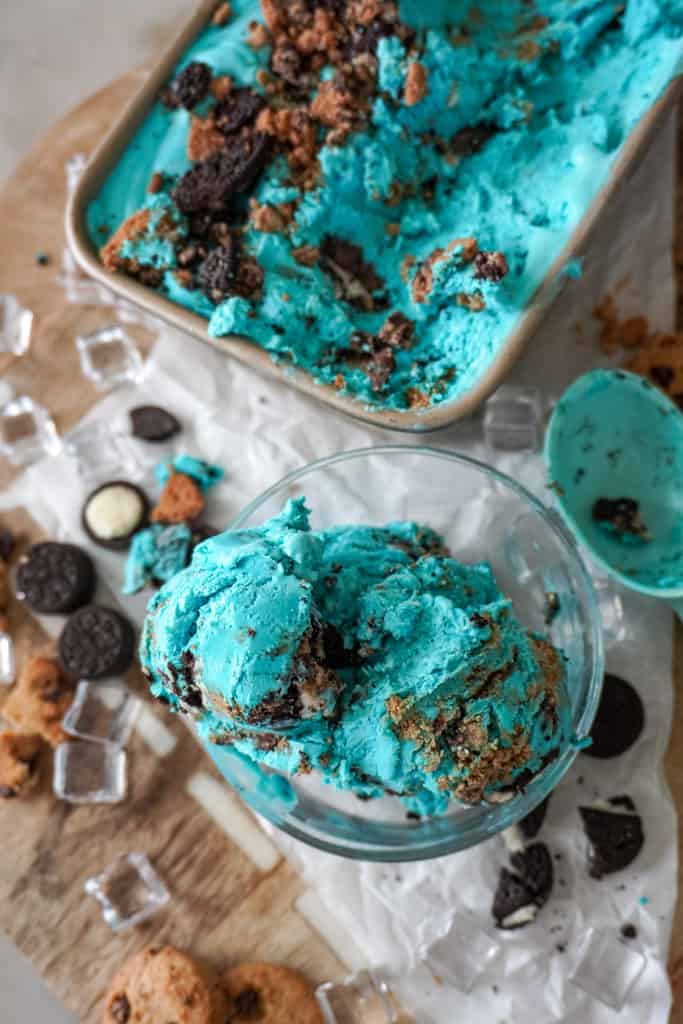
(222, 15)
(473, 301)
(258, 36)
(490, 266)
(416, 84)
(156, 183)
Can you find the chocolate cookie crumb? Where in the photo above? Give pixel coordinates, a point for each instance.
(490, 266)
(218, 271)
(189, 88)
(621, 515)
(156, 183)
(629, 931)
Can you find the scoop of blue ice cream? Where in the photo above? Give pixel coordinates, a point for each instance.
(367, 654)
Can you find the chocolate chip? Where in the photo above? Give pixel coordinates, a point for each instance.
(218, 271)
(615, 835)
(96, 642)
(153, 423)
(662, 375)
(619, 719)
(629, 931)
(55, 578)
(119, 1009)
(210, 183)
(189, 88)
(239, 108)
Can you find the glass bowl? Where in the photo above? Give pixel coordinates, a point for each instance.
(483, 515)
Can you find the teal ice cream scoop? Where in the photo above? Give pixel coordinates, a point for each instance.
(614, 450)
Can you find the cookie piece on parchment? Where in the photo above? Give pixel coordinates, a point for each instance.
(163, 984)
(55, 578)
(40, 699)
(270, 994)
(19, 756)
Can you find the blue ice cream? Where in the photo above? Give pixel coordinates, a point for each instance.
(366, 654)
(379, 192)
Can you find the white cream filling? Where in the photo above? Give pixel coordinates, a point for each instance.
(114, 512)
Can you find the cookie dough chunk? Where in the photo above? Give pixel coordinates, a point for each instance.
(162, 984)
(96, 642)
(55, 578)
(39, 701)
(181, 501)
(113, 513)
(270, 994)
(19, 754)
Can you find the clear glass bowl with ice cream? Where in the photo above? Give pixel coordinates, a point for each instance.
(391, 654)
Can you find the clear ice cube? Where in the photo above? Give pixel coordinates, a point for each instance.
(463, 954)
(89, 773)
(27, 431)
(129, 891)
(15, 325)
(361, 999)
(7, 661)
(109, 357)
(102, 453)
(78, 288)
(607, 968)
(513, 419)
(102, 712)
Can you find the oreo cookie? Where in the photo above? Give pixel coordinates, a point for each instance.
(152, 423)
(54, 578)
(189, 87)
(521, 893)
(531, 825)
(615, 834)
(209, 185)
(96, 642)
(240, 107)
(113, 513)
(619, 720)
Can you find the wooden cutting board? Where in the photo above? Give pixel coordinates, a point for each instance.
(223, 907)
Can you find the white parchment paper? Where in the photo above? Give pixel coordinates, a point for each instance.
(258, 431)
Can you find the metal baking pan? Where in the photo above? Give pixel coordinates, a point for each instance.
(115, 142)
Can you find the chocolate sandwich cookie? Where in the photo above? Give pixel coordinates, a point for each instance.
(619, 719)
(163, 984)
(521, 893)
(96, 642)
(113, 513)
(19, 755)
(615, 835)
(621, 517)
(270, 994)
(153, 423)
(55, 578)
